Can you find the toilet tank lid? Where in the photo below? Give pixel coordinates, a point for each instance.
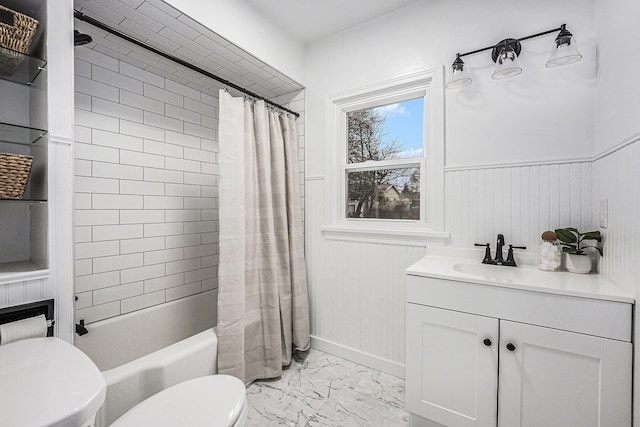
(47, 381)
(214, 400)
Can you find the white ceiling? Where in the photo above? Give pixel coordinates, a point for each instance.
(311, 20)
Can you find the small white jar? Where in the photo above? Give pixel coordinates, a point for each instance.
(549, 252)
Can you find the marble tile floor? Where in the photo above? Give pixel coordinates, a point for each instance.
(319, 389)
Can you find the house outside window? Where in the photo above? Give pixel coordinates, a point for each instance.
(387, 161)
(387, 133)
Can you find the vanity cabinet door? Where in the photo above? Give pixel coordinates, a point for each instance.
(554, 378)
(452, 366)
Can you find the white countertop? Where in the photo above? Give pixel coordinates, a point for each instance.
(465, 265)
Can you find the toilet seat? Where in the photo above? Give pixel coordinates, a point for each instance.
(212, 401)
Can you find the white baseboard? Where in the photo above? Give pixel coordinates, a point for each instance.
(384, 365)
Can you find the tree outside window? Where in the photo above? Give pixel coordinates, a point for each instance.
(377, 139)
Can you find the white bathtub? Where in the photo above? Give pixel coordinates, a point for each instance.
(147, 351)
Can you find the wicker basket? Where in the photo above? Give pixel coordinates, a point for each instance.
(17, 38)
(14, 174)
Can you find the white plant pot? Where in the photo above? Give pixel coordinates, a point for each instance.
(578, 263)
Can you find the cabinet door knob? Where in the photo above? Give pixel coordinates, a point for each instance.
(487, 342)
(511, 347)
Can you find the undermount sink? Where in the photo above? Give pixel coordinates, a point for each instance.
(497, 272)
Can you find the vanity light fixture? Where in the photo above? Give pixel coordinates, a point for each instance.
(458, 77)
(565, 50)
(505, 54)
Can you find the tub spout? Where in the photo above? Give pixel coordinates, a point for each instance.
(80, 328)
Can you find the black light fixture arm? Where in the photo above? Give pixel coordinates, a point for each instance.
(544, 33)
(81, 16)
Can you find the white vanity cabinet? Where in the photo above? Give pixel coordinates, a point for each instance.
(560, 378)
(452, 376)
(491, 355)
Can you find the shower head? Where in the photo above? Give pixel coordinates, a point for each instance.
(80, 39)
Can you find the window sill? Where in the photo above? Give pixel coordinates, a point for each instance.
(385, 235)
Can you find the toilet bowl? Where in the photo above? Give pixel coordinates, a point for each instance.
(212, 401)
(48, 382)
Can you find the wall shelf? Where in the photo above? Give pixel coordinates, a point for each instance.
(23, 200)
(11, 272)
(19, 68)
(16, 134)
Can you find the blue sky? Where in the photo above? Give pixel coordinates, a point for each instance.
(404, 121)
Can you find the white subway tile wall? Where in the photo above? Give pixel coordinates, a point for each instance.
(146, 208)
(146, 187)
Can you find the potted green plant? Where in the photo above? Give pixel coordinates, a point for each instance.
(572, 242)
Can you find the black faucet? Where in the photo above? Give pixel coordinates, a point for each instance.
(499, 245)
(499, 260)
(81, 329)
(487, 253)
(511, 262)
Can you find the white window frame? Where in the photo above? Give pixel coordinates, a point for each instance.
(429, 229)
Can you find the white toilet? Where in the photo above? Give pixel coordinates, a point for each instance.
(212, 401)
(49, 382)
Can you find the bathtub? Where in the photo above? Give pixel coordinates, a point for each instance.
(144, 352)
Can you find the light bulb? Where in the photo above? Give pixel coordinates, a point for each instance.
(458, 76)
(507, 64)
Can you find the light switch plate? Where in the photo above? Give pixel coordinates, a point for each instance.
(604, 213)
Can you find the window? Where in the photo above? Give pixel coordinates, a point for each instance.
(386, 178)
(392, 193)
(377, 139)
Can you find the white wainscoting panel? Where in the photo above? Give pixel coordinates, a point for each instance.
(313, 251)
(21, 292)
(60, 283)
(519, 201)
(616, 178)
(356, 291)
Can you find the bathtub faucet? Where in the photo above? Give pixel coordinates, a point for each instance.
(80, 328)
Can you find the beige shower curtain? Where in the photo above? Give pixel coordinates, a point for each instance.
(263, 312)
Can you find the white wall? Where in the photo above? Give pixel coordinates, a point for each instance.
(618, 100)
(146, 188)
(542, 114)
(247, 29)
(618, 127)
(616, 177)
(538, 127)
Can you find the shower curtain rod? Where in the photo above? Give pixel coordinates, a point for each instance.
(81, 16)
